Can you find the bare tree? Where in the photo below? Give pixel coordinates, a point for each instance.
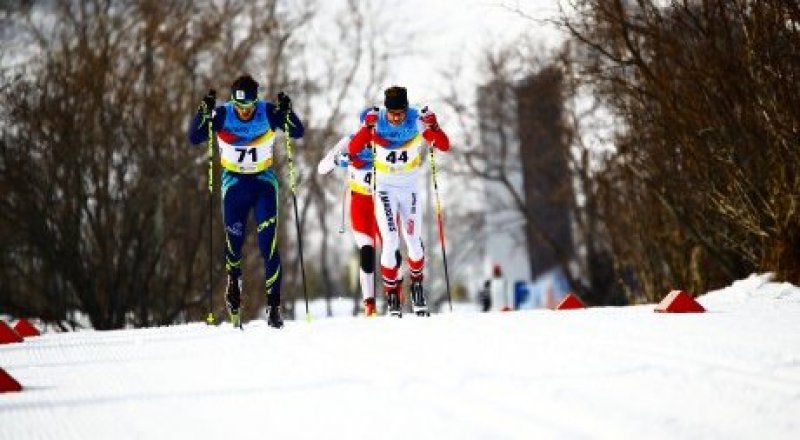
(532, 150)
(701, 187)
(105, 207)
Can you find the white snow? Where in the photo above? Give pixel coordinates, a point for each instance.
(731, 373)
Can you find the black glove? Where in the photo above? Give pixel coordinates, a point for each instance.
(208, 104)
(284, 103)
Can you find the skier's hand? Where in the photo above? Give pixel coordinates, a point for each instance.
(365, 155)
(371, 117)
(362, 160)
(429, 119)
(342, 160)
(208, 104)
(284, 103)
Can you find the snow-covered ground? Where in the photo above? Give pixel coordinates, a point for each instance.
(620, 373)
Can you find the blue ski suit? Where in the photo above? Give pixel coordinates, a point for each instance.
(249, 181)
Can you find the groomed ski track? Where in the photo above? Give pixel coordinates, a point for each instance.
(627, 372)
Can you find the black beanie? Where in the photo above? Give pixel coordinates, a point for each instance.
(395, 98)
(245, 89)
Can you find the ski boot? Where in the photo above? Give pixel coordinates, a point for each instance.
(233, 299)
(395, 308)
(369, 308)
(274, 319)
(400, 295)
(418, 303)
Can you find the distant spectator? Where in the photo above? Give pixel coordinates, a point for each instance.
(499, 290)
(485, 297)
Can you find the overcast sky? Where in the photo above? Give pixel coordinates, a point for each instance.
(453, 32)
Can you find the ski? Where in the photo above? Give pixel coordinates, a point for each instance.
(236, 319)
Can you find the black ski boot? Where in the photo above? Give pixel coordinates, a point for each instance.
(418, 303)
(274, 319)
(395, 308)
(233, 299)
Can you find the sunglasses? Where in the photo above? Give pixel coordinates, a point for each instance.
(244, 104)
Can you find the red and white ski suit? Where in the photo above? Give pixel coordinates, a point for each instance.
(398, 157)
(362, 211)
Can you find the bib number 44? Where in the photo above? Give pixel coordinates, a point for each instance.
(393, 157)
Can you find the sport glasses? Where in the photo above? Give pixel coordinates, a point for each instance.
(244, 104)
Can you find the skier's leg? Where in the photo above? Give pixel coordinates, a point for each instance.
(411, 215)
(397, 265)
(410, 209)
(385, 219)
(266, 214)
(236, 200)
(385, 209)
(362, 221)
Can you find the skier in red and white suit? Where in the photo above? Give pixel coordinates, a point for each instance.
(362, 215)
(398, 134)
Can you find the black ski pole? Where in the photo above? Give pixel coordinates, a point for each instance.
(296, 215)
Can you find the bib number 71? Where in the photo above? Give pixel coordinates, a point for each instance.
(244, 152)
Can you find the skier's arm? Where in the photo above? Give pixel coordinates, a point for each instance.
(206, 111)
(277, 119)
(432, 133)
(437, 137)
(277, 116)
(334, 157)
(358, 142)
(362, 137)
(198, 127)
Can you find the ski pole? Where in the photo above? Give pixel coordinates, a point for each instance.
(296, 215)
(210, 318)
(344, 202)
(376, 260)
(440, 222)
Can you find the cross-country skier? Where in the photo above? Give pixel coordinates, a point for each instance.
(397, 133)
(362, 214)
(245, 129)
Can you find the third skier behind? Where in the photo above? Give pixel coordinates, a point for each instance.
(362, 214)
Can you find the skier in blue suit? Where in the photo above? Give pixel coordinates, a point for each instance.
(245, 129)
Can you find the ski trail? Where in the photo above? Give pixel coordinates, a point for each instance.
(593, 373)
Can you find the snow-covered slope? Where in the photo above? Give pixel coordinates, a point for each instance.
(733, 372)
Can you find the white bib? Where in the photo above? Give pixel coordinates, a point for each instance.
(248, 159)
(403, 159)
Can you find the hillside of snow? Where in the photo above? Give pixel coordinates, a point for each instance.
(730, 373)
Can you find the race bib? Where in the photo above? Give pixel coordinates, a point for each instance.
(402, 159)
(247, 159)
(360, 181)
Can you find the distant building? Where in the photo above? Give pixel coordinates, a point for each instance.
(546, 175)
(523, 138)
